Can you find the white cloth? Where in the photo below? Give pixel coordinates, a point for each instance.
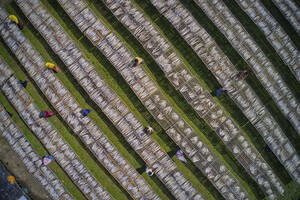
(180, 156)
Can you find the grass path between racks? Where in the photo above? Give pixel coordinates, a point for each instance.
(292, 192)
(264, 44)
(173, 96)
(88, 159)
(72, 85)
(240, 64)
(129, 97)
(34, 141)
(199, 69)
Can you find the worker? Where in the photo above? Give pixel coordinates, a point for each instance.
(11, 179)
(46, 114)
(15, 20)
(137, 61)
(23, 83)
(85, 112)
(52, 66)
(47, 159)
(218, 92)
(180, 156)
(242, 75)
(149, 171)
(148, 130)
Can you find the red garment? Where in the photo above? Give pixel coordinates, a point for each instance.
(48, 113)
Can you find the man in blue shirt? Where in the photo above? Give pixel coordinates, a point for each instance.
(85, 112)
(218, 92)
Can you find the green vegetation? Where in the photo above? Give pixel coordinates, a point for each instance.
(241, 64)
(284, 23)
(266, 47)
(107, 71)
(199, 69)
(34, 141)
(79, 148)
(173, 96)
(292, 192)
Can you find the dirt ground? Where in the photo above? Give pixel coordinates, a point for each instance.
(15, 166)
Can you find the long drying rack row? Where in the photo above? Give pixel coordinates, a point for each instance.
(41, 127)
(245, 45)
(207, 49)
(159, 107)
(90, 134)
(108, 101)
(190, 87)
(291, 11)
(18, 142)
(274, 33)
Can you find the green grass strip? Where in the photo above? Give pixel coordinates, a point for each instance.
(292, 192)
(96, 55)
(165, 142)
(203, 73)
(284, 23)
(74, 141)
(34, 141)
(167, 88)
(266, 47)
(240, 64)
(100, 119)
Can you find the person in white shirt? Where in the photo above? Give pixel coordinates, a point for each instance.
(149, 171)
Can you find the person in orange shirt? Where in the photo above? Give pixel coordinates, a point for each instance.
(11, 179)
(52, 66)
(137, 61)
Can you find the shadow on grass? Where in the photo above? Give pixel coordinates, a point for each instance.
(230, 106)
(99, 113)
(170, 90)
(266, 47)
(1, 41)
(68, 128)
(240, 64)
(118, 78)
